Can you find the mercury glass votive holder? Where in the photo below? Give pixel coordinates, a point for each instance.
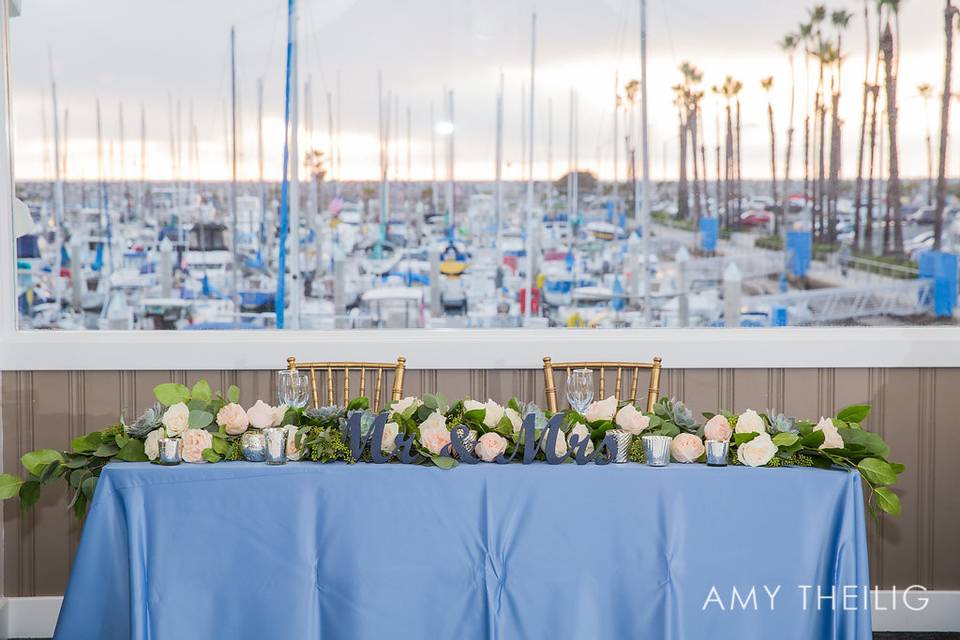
(717, 453)
(657, 449)
(168, 450)
(276, 445)
(254, 445)
(623, 440)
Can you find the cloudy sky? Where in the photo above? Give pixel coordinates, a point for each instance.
(152, 55)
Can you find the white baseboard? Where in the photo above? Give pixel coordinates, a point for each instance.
(29, 617)
(37, 617)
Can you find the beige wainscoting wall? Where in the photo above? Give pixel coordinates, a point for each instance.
(916, 410)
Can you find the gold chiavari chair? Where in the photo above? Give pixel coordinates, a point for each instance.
(330, 370)
(653, 390)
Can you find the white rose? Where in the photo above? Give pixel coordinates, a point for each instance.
(261, 415)
(831, 437)
(631, 420)
(293, 451)
(758, 451)
(601, 410)
(582, 433)
(472, 405)
(402, 405)
(489, 446)
(176, 419)
(560, 448)
(493, 415)
(151, 446)
(514, 418)
(388, 443)
(750, 422)
(278, 414)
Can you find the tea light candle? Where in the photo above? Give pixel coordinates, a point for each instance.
(623, 439)
(657, 449)
(254, 446)
(276, 445)
(169, 451)
(717, 453)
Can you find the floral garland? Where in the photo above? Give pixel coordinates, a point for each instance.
(211, 428)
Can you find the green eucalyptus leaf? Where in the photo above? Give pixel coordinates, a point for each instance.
(897, 467)
(88, 486)
(854, 413)
(171, 393)
(444, 462)
(475, 416)
(210, 455)
(35, 461)
(813, 440)
(80, 505)
(29, 494)
(76, 461)
(221, 445)
(743, 438)
(359, 404)
(888, 500)
(51, 471)
(122, 440)
(785, 439)
(233, 393)
(9, 486)
(877, 471)
(107, 450)
(201, 391)
(132, 452)
(200, 419)
(87, 443)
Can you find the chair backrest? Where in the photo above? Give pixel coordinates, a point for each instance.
(330, 370)
(653, 390)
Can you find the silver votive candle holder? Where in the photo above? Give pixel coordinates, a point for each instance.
(275, 451)
(657, 449)
(623, 440)
(254, 446)
(717, 453)
(168, 451)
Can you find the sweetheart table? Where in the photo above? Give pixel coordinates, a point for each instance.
(243, 550)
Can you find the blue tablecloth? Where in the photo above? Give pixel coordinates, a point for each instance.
(239, 550)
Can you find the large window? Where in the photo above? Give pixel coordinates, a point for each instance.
(467, 164)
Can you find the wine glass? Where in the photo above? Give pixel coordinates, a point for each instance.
(580, 389)
(293, 388)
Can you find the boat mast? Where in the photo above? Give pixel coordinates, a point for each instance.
(233, 167)
(297, 291)
(58, 212)
(263, 195)
(498, 171)
(384, 116)
(143, 159)
(338, 174)
(531, 228)
(645, 205)
(123, 163)
(434, 196)
(616, 136)
(330, 134)
(450, 168)
(409, 157)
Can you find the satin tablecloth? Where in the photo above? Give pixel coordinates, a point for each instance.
(240, 550)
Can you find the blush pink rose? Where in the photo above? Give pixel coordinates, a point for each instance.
(194, 441)
(601, 410)
(686, 447)
(434, 434)
(233, 419)
(718, 428)
(631, 420)
(489, 446)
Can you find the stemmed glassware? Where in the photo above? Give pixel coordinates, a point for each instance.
(580, 389)
(293, 388)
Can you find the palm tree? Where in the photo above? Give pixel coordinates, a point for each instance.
(858, 191)
(683, 195)
(767, 85)
(926, 92)
(789, 45)
(890, 86)
(805, 32)
(817, 15)
(730, 90)
(950, 14)
(631, 89)
(840, 21)
(874, 91)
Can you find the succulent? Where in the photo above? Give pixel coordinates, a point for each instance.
(780, 423)
(146, 423)
(367, 418)
(531, 407)
(679, 414)
(322, 414)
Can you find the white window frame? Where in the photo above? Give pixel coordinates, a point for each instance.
(433, 349)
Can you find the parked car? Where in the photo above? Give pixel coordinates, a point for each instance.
(756, 218)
